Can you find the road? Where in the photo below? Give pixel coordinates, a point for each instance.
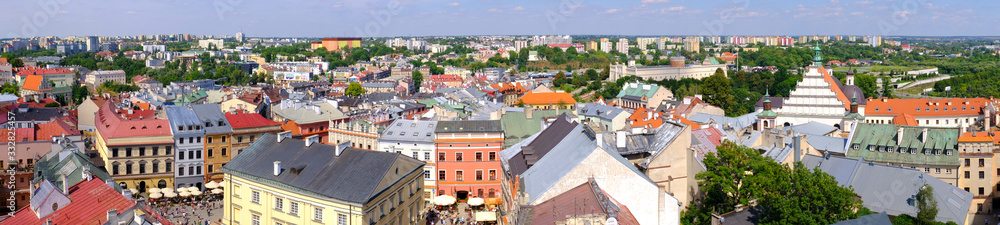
(919, 82)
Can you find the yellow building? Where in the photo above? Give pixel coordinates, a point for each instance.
(312, 183)
(135, 146)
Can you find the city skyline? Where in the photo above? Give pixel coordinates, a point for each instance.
(375, 18)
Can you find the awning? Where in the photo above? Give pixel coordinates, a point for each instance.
(486, 216)
(494, 201)
(443, 200)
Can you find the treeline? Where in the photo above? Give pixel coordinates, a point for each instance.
(982, 84)
(736, 93)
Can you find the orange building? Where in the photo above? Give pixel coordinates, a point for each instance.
(548, 100)
(337, 44)
(468, 160)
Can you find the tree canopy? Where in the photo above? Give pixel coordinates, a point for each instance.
(354, 90)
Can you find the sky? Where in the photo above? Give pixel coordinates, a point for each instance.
(390, 18)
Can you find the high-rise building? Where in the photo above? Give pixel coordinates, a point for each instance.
(92, 44)
(622, 45)
(240, 37)
(692, 44)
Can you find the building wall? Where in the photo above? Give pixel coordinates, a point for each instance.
(193, 174)
(976, 158)
(237, 103)
(674, 174)
(340, 133)
(240, 207)
(86, 113)
(218, 150)
(468, 144)
(423, 151)
(163, 157)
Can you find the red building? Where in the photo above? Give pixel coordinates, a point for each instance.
(468, 160)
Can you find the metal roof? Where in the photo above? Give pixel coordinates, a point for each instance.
(936, 148)
(469, 126)
(410, 130)
(211, 115)
(354, 176)
(893, 189)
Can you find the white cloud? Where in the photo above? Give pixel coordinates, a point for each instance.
(677, 8)
(496, 10)
(611, 11)
(130, 12)
(834, 2)
(65, 12)
(654, 1)
(518, 8)
(857, 13)
(453, 4)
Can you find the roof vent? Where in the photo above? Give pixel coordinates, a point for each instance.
(277, 167)
(283, 135)
(313, 139)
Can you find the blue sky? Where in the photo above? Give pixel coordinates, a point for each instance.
(315, 18)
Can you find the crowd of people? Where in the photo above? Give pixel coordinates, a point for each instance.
(190, 211)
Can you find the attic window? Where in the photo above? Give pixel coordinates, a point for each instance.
(399, 124)
(144, 127)
(890, 109)
(133, 128)
(390, 133)
(954, 108)
(415, 134)
(402, 133)
(876, 108)
(428, 134)
(945, 108)
(918, 109)
(963, 108)
(221, 123)
(413, 125)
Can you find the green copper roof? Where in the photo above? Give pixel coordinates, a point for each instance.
(517, 127)
(874, 141)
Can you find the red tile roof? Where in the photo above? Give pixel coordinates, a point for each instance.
(926, 107)
(41, 71)
(639, 119)
(904, 119)
(446, 78)
(111, 124)
(54, 128)
(245, 120)
(20, 134)
(91, 201)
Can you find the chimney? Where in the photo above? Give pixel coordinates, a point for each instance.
(312, 139)
(283, 135)
(797, 146)
(923, 136)
(899, 136)
(277, 168)
(341, 147)
(600, 140)
(112, 213)
(65, 184)
(527, 112)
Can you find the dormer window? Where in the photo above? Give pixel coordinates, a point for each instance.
(876, 109)
(402, 133)
(180, 128)
(889, 109)
(918, 109)
(221, 123)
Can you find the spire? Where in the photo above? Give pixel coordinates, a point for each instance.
(817, 59)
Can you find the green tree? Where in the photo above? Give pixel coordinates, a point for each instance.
(16, 62)
(887, 87)
(354, 90)
(926, 205)
(560, 79)
(418, 78)
(10, 88)
(867, 84)
(52, 104)
(718, 91)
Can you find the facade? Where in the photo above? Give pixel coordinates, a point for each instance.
(642, 95)
(135, 147)
(509, 92)
(308, 118)
(414, 138)
(188, 133)
(672, 72)
(819, 97)
(467, 163)
(216, 43)
(977, 152)
(36, 87)
(312, 183)
(360, 133)
(337, 44)
(218, 139)
(98, 77)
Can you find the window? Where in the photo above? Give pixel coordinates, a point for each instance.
(168, 150)
(180, 155)
(223, 151)
(458, 156)
(190, 154)
(209, 140)
(156, 167)
(191, 171)
(255, 197)
(402, 133)
(982, 162)
(982, 191)
(458, 176)
(198, 169)
(128, 169)
(493, 174)
(168, 167)
(142, 168)
(967, 174)
(278, 204)
(427, 174)
(114, 169)
(156, 150)
(982, 174)
(389, 133)
(493, 156)
(142, 151)
(441, 175)
(114, 152)
(210, 168)
(427, 156)
(928, 170)
(199, 139)
(239, 139)
(318, 214)
(415, 154)
(979, 206)
(479, 175)
(479, 156)
(223, 137)
(128, 152)
(210, 153)
(181, 140)
(967, 162)
(441, 156)
(341, 219)
(293, 208)
(937, 170)
(254, 220)
(948, 171)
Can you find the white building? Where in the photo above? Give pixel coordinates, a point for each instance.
(154, 48)
(622, 45)
(218, 43)
(414, 138)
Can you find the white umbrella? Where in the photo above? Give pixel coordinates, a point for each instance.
(154, 190)
(170, 195)
(155, 195)
(133, 190)
(444, 200)
(216, 191)
(167, 190)
(196, 193)
(476, 201)
(185, 194)
(192, 189)
(212, 184)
